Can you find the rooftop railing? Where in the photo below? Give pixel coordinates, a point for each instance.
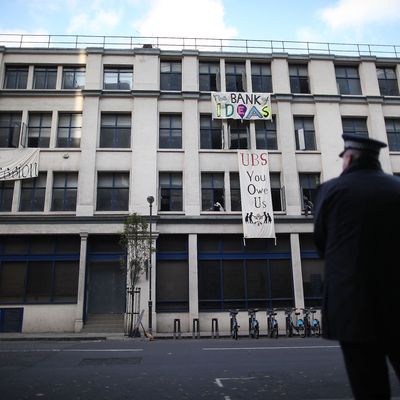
(202, 44)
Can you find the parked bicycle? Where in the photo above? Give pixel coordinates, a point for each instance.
(307, 321)
(234, 324)
(315, 325)
(294, 326)
(272, 324)
(254, 326)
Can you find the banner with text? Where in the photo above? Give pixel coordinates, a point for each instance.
(255, 189)
(19, 164)
(239, 105)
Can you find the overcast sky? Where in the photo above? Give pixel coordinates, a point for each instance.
(349, 21)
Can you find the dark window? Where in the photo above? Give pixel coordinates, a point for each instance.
(276, 191)
(210, 132)
(33, 193)
(393, 133)
(235, 75)
(238, 134)
(73, 78)
(39, 128)
(308, 188)
(115, 131)
(171, 75)
(12, 282)
(348, 80)
(298, 75)
(65, 283)
(212, 191)
(6, 195)
(69, 130)
(236, 202)
(305, 133)
(209, 76)
(355, 126)
(387, 80)
(171, 191)
(45, 78)
(233, 276)
(118, 78)
(10, 126)
(266, 137)
(261, 78)
(112, 191)
(65, 188)
(170, 131)
(16, 77)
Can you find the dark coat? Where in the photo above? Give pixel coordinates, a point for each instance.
(357, 231)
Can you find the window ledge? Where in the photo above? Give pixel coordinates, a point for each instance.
(170, 150)
(112, 149)
(171, 212)
(308, 152)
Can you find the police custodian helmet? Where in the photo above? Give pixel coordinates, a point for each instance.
(362, 143)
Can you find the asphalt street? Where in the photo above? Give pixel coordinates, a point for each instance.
(220, 369)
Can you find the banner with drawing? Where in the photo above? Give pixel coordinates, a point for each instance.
(240, 105)
(255, 190)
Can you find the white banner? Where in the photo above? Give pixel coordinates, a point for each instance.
(255, 189)
(240, 105)
(19, 164)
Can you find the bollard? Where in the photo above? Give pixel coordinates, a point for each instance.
(177, 328)
(214, 328)
(196, 328)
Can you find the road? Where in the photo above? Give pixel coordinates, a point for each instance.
(220, 369)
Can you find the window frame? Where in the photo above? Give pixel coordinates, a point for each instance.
(78, 77)
(70, 186)
(120, 72)
(173, 190)
(21, 77)
(392, 126)
(360, 130)
(309, 182)
(266, 134)
(120, 133)
(348, 82)
(171, 80)
(235, 77)
(6, 195)
(42, 140)
(29, 193)
(49, 77)
(170, 137)
(211, 133)
(239, 133)
(71, 140)
(387, 86)
(262, 73)
(209, 81)
(13, 125)
(111, 203)
(299, 78)
(310, 140)
(216, 191)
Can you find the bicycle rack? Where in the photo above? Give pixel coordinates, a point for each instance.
(214, 328)
(196, 328)
(177, 328)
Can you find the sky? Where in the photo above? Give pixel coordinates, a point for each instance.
(333, 21)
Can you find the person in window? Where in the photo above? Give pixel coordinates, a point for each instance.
(308, 206)
(361, 294)
(218, 207)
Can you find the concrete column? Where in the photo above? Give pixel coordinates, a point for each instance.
(29, 83)
(49, 189)
(222, 74)
(81, 283)
(193, 280)
(368, 78)
(322, 76)
(59, 77)
(53, 130)
(287, 143)
(2, 65)
(280, 75)
(190, 71)
(296, 270)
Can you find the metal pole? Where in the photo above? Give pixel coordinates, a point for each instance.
(150, 200)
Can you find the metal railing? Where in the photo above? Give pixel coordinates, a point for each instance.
(202, 44)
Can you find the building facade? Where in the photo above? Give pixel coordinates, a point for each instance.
(116, 126)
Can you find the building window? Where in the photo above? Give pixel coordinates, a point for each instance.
(39, 128)
(65, 188)
(73, 78)
(304, 133)
(33, 193)
(115, 131)
(387, 80)
(235, 75)
(238, 134)
(236, 202)
(231, 275)
(16, 77)
(212, 191)
(45, 78)
(6, 195)
(47, 269)
(171, 75)
(112, 191)
(10, 126)
(298, 75)
(172, 275)
(261, 78)
(266, 137)
(69, 130)
(209, 76)
(355, 126)
(170, 131)
(308, 189)
(118, 78)
(211, 132)
(348, 80)
(393, 133)
(171, 191)
(276, 191)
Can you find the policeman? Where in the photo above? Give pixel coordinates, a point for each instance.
(357, 232)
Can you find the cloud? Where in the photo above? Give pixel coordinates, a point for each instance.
(358, 13)
(99, 21)
(185, 18)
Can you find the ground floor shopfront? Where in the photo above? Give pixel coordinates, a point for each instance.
(54, 283)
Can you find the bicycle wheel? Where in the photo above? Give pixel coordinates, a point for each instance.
(235, 333)
(275, 331)
(318, 330)
(256, 333)
(302, 331)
